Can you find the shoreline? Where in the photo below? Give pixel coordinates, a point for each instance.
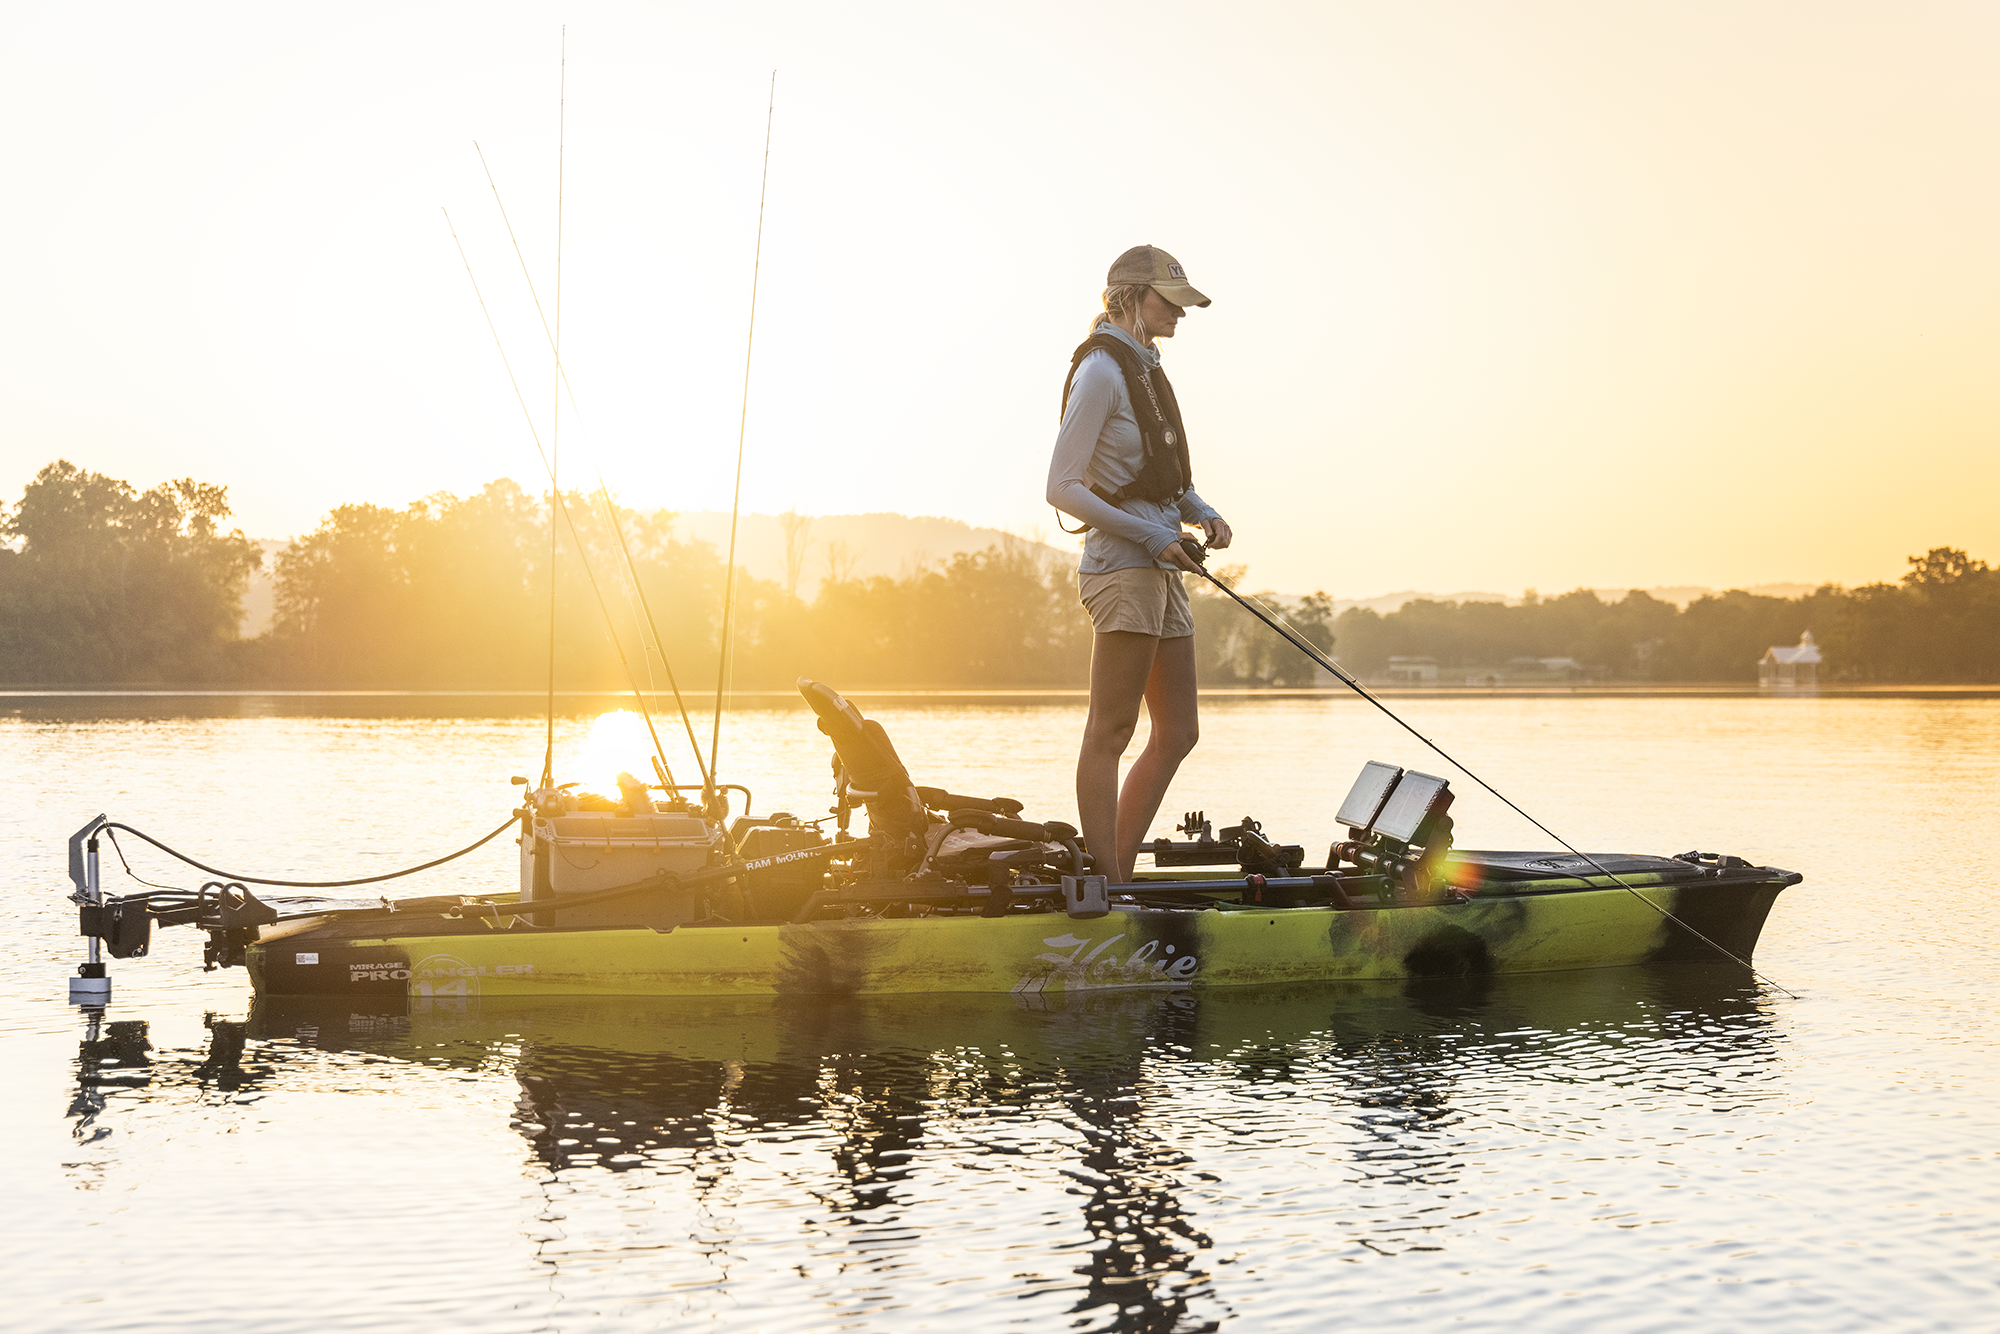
(1633, 690)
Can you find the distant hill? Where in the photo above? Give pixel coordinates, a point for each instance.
(867, 544)
(1679, 595)
(1388, 602)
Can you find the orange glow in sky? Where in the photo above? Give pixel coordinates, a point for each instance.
(1531, 294)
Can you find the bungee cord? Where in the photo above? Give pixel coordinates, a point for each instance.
(150, 884)
(1277, 622)
(504, 826)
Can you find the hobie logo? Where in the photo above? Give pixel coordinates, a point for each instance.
(1082, 965)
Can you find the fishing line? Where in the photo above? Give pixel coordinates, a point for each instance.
(631, 568)
(618, 526)
(555, 424)
(742, 424)
(561, 507)
(533, 295)
(1306, 647)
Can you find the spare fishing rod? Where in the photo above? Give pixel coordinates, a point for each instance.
(1198, 553)
(659, 645)
(611, 511)
(559, 506)
(722, 657)
(555, 426)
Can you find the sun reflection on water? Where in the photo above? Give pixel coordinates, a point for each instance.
(616, 743)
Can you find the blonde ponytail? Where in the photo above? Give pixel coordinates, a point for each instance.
(1120, 301)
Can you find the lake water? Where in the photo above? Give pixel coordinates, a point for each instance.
(1641, 1149)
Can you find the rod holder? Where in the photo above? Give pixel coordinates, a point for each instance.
(1086, 895)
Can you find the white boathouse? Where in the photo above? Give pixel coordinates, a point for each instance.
(1413, 670)
(1788, 667)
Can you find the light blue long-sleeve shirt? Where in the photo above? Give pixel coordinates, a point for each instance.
(1099, 444)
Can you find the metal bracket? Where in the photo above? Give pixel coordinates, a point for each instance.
(78, 874)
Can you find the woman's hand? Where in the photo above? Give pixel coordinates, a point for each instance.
(1217, 532)
(1176, 555)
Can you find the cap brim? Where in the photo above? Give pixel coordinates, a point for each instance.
(1180, 294)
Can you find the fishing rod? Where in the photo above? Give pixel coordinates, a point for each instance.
(555, 426)
(631, 568)
(1198, 553)
(559, 506)
(742, 425)
(659, 646)
(533, 294)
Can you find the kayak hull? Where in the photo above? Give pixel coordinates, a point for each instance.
(492, 952)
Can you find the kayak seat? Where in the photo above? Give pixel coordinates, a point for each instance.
(867, 761)
(977, 830)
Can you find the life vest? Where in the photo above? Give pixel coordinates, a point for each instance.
(1166, 473)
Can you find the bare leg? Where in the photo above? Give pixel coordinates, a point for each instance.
(1171, 708)
(1121, 667)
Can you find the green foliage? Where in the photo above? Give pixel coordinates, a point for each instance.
(1721, 637)
(115, 585)
(1232, 648)
(453, 593)
(1618, 638)
(112, 585)
(1002, 617)
(440, 592)
(1942, 623)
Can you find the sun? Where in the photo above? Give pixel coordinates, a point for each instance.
(616, 743)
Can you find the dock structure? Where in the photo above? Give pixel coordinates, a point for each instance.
(1789, 668)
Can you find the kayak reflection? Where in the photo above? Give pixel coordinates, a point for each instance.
(118, 1056)
(848, 1121)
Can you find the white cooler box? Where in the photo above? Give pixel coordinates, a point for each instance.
(590, 852)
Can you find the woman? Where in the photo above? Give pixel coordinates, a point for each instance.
(1121, 467)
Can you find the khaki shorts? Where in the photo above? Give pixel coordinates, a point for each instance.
(1144, 600)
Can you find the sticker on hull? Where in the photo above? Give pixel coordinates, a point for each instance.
(449, 975)
(1078, 963)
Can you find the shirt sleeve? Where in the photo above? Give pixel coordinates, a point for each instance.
(1194, 509)
(1092, 396)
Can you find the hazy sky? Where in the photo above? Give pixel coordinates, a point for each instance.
(1505, 294)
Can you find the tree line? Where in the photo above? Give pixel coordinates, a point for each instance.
(102, 584)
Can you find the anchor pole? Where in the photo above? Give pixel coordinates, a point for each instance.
(91, 986)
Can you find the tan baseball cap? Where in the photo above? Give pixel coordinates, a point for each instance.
(1155, 268)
